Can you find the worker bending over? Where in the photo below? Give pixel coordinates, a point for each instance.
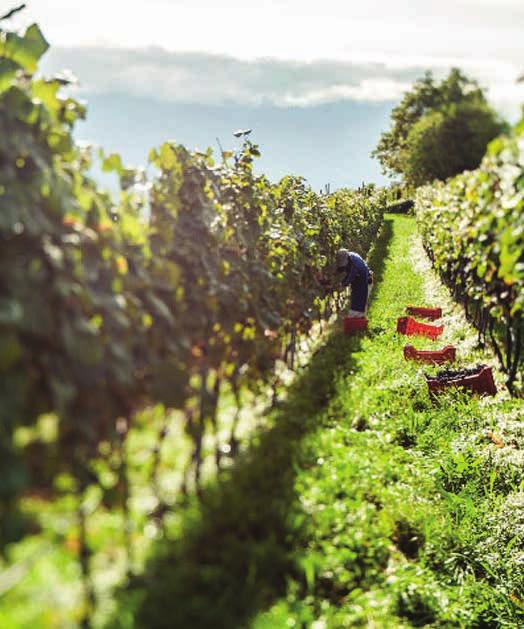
(358, 275)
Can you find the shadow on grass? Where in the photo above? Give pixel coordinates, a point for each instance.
(239, 544)
(381, 250)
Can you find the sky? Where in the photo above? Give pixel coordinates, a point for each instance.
(316, 80)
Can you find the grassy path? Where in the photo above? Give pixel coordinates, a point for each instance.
(362, 504)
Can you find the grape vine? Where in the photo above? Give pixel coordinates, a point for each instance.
(473, 228)
(200, 278)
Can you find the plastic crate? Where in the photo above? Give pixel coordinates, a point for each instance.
(424, 313)
(447, 354)
(354, 325)
(481, 383)
(410, 327)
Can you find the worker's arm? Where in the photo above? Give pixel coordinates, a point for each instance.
(350, 275)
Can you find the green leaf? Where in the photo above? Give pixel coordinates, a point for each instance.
(27, 50)
(10, 351)
(46, 92)
(167, 157)
(112, 163)
(8, 69)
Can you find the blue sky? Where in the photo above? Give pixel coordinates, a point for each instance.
(316, 80)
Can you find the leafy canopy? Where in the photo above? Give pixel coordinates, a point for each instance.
(195, 279)
(473, 227)
(438, 130)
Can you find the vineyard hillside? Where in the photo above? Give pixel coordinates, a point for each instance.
(193, 430)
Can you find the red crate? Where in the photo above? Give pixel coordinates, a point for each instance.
(447, 354)
(353, 325)
(424, 313)
(481, 383)
(410, 327)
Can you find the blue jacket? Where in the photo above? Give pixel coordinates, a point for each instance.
(357, 275)
(358, 270)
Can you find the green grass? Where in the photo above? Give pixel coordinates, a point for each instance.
(358, 502)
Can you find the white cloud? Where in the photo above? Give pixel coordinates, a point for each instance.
(291, 29)
(244, 50)
(370, 90)
(217, 79)
(213, 79)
